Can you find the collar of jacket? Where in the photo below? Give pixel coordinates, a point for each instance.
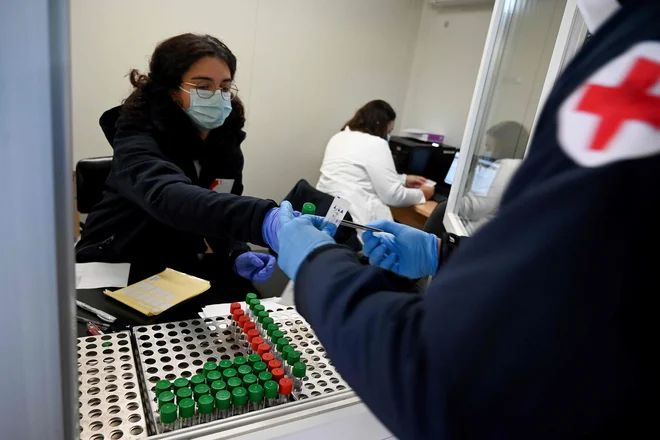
(597, 12)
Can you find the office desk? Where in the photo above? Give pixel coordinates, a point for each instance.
(414, 216)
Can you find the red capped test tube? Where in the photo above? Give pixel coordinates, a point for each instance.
(256, 342)
(274, 364)
(286, 387)
(262, 348)
(267, 357)
(252, 334)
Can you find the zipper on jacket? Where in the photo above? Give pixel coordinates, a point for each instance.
(99, 245)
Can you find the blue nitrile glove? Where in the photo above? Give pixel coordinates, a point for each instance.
(271, 227)
(405, 251)
(299, 237)
(254, 266)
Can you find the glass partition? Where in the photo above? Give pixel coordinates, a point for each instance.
(511, 81)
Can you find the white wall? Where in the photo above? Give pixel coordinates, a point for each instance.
(444, 71)
(304, 67)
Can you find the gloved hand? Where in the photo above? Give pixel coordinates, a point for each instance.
(299, 237)
(405, 251)
(271, 227)
(254, 266)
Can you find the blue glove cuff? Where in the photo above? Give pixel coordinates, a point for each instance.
(433, 252)
(266, 228)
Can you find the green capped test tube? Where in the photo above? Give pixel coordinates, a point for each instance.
(223, 403)
(258, 308)
(181, 382)
(218, 385)
(308, 209)
(299, 371)
(271, 393)
(186, 413)
(224, 364)
(248, 380)
(267, 321)
(286, 350)
(165, 397)
(233, 382)
(196, 380)
(243, 370)
(259, 367)
(281, 343)
(270, 329)
(161, 386)
(205, 406)
(249, 297)
(228, 374)
(239, 400)
(276, 336)
(239, 361)
(208, 367)
(183, 393)
(201, 390)
(264, 377)
(252, 304)
(212, 376)
(168, 415)
(292, 357)
(256, 396)
(253, 359)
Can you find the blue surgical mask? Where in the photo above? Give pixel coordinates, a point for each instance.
(209, 113)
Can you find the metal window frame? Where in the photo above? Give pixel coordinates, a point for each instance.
(571, 36)
(500, 23)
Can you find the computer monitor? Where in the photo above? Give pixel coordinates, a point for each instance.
(484, 174)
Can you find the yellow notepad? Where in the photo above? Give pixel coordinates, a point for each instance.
(160, 292)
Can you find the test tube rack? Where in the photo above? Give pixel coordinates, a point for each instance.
(109, 401)
(180, 349)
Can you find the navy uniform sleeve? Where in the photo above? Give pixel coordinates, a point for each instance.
(148, 179)
(533, 329)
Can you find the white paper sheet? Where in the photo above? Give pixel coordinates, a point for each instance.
(223, 309)
(98, 275)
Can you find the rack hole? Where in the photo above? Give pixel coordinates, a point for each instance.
(112, 398)
(136, 430)
(117, 433)
(130, 396)
(93, 391)
(134, 418)
(110, 388)
(95, 413)
(115, 421)
(95, 426)
(114, 409)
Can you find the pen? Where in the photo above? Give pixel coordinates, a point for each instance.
(107, 317)
(359, 226)
(85, 321)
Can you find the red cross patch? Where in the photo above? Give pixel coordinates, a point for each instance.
(615, 115)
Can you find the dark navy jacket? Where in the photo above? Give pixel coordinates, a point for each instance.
(156, 211)
(542, 326)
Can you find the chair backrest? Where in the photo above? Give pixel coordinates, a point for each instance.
(91, 175)
(434, 224)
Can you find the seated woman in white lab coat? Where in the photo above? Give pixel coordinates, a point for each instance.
(358, 167)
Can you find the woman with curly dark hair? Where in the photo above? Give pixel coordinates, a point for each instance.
(176, 178)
